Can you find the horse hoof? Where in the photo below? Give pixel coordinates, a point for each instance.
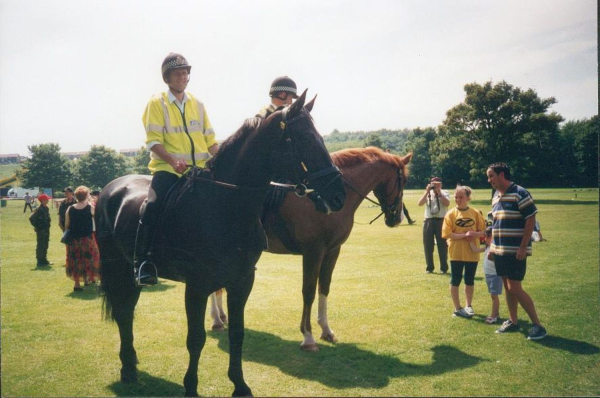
(193, 394)
(223, 318)
(218, 328)
(309, 347)
(129, 377)
(244, 392)
(329, 337)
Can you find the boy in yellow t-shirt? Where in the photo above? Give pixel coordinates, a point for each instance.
(463, 225)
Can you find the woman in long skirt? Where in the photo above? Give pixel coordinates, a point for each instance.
(83, 258)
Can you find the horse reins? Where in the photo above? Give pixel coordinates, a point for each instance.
(300, 188)
(392, 208)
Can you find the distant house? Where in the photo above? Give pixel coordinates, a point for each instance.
(74, 155)
(10, 158)
(130, 153)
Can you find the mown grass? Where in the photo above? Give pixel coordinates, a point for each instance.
(393, 321)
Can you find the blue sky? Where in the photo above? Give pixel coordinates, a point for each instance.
(79, 73)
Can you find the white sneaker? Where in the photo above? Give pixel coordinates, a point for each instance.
(470, 310)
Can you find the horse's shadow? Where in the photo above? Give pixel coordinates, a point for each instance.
(146, 385)
(343, 365)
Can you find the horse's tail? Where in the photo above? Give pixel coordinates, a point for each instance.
(117, 281)
(116, 273)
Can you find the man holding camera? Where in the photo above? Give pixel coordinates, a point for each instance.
(437, 202)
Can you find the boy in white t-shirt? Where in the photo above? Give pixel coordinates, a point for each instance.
(492, 280)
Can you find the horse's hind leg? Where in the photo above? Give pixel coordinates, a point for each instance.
(195, 307)
(216, 311)
(122, 310)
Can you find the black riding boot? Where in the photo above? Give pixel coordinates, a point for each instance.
(144, 269)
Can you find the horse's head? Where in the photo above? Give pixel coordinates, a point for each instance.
(391, 191)
(304, 159)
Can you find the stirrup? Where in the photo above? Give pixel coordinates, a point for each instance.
(146, 274)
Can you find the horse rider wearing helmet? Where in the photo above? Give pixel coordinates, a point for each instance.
(283, 90)
(178, 135)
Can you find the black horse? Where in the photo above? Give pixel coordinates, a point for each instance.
(210, 235)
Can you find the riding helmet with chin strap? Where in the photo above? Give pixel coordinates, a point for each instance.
(283, 84)
(174, 61)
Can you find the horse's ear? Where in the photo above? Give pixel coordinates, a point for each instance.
(297, 106)
(407, 158)
(310, 104)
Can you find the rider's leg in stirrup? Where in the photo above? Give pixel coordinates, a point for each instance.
(144, 268)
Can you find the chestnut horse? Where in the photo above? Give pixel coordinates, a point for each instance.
(294, 228)
(210, 236)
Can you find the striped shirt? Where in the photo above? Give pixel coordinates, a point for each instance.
(510, 211)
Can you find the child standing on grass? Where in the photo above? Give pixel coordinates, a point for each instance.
(493, 281)
(40, 220)
(463, 225)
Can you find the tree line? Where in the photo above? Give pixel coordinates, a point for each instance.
(495, 123)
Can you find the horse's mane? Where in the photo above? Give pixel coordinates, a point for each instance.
(236, 139)
(356, 156)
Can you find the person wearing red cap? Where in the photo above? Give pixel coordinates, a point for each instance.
(40, 220)
(437, 201)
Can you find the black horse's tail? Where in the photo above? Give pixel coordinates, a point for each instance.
(116, 274)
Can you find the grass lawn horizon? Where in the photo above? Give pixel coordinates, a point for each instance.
(394, 323)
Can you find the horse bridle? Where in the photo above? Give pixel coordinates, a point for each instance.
(303, 176)
(392, 208)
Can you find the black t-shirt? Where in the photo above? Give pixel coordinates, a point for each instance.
(80, 221)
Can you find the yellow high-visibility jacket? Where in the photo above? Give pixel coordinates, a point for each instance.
(164, 124)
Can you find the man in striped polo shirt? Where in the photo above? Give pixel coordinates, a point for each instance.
(514, 218)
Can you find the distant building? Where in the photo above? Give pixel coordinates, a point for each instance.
(10, 158)
(74, 155)
(130, 153)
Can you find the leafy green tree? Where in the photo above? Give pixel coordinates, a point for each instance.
(99, 166)
(579, 152)
(498, 123)
(140, 162)
(418, 142)
(373, 140)
(46, 168)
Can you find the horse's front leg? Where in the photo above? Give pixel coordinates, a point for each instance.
(311, 264)
(195, 308)
(236, 302)
(324, 284)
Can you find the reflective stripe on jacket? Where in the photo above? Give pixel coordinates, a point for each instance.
(164, 125)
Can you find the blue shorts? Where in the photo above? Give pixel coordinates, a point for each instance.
(494, 284)
(510, 268)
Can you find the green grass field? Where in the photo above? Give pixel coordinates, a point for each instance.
(393, 321)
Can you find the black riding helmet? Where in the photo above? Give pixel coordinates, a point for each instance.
(174, 61)
(283, 84)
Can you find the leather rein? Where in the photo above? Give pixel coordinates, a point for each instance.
(300, 188)
(391, 209)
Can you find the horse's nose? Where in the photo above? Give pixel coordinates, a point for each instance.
(338, 202)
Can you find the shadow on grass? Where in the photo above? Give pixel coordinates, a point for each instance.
(45, 268)
(88, 293)
(573, 346)
(343, 365)
(159, 287)
(147, 386)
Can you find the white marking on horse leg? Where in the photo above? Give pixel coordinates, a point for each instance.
(322, 320)
(214, 313)
(309, 343)
(222, 315)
